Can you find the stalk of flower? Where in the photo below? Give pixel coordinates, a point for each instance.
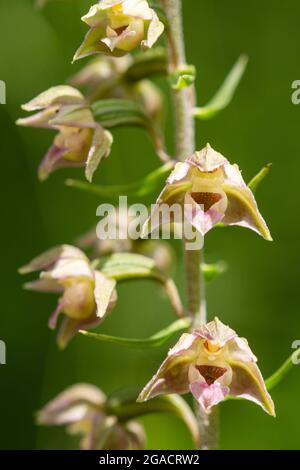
(81, 408)
(212, 363)
(210, 190)
(87, 295)
(119, 26)
(80, 141)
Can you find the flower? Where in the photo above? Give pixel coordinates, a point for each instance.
(105, 77)
(121, 242)
(119, 26)
(212, 363)
(211, 190)
(87, 295)
(82, 408)
(80, 141)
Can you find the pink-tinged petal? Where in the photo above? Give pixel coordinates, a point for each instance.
(44, 285)
(97, 14)
(207, 160)
(50, 162)
(58, 95)
(137, 9)
(172, 376)
(70, 327)
(100, 149)
(92, 44)
(126, 41)
(71, 405)
(136, 436)
(216, 333)
(50, 257)
(208, 395)
(127, 436)
(92, 429)
(242, 209)
(40, 119)
(105, 294)
(68, 268)
(161, 213)
(179, 173)
(202, 220)
(247, 382)
(53, 256)
(238, 350)
(155, 30)
(88, 239)
(54, 316)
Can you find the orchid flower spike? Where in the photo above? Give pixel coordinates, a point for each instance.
(81, 141)
(212, 363)
(210, 190)
(87, 295)
(81, 408)
(119, 26)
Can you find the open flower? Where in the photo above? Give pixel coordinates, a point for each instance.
(210, 190)
(118, 27)
(212, 363)
(80, 141)
(81, 408)
(87, 295)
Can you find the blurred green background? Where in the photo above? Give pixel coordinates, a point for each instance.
(257, 296)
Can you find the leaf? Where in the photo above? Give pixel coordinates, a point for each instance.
(183, 77)
(123, 405)
(142, 188)
(257, 179)
(212, 271)
(116, 112)
(129, 266)
(224, 95)
(152, 342)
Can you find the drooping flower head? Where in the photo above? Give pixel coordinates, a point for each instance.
(211, 190)
(82, 408)
(80, 141)
(212, 363)
(119, 26)
(87, 295)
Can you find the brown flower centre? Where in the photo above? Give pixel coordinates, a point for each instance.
(120, 30)
(206, 199)
(211, 373)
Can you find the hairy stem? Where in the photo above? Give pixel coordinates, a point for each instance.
(183, 103)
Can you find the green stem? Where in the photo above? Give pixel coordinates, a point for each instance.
(277, 377)
(183, 104)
